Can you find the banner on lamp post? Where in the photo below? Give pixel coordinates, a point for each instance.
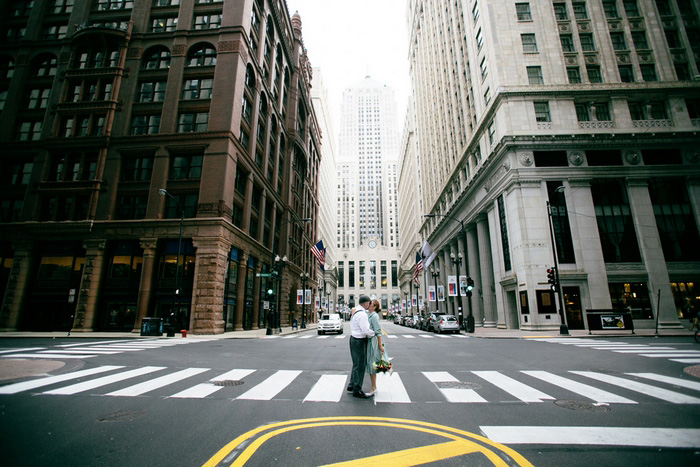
(307, 297)
(452, 286)
(300, 297)
(463, 285)
(431, 293)
(441, 293)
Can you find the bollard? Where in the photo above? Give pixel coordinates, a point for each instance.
(183, 332)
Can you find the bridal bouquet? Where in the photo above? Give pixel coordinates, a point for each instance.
(382, 366)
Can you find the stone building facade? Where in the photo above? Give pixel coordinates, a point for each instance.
(582, 115)
(157, 156)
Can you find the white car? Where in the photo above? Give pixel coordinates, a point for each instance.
(330, 323)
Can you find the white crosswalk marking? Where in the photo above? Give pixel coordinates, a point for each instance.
(392, 336)
(38, 355)
(306, 337)
(663, 394)
(203, 390)
(271, 386)
(407, 336)
(19, 349)
(147, 386)
(668, 355)
(513, 387)
(390, 388)
(80, 352)
(686, 360)
(640, 349)
(458, 395)
(49, 380)
(329, 388)
(104, 381)
(340, 337)
(590, 392)
(684, 383)
(323, 337)
(425, 336)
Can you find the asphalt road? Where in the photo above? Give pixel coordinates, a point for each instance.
(452, 400)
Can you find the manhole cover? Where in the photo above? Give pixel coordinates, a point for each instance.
(122, 416)
(458, 385)
(228, 382)
(582, 406)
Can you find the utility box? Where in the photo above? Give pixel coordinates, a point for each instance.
(152, 327)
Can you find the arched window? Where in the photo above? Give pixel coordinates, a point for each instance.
(249, 78)
(44, 66)
(7, 67)
(202, 55)
(157, 58)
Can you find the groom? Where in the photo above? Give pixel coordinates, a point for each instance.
(360, 332)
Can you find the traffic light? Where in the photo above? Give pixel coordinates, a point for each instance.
(552, 278)
(470, 286)
(270, 292)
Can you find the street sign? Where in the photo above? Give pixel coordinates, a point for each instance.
(263, 274)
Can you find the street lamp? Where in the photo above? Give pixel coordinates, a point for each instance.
(563, 329)
(456, 260)
(435, 275)
(171, 328)
(328, 296)
(405, 294)
(280, 264)
(304, 277)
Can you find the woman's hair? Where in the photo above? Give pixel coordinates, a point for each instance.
(377, 306)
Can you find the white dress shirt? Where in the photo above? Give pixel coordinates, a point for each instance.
(359, 324)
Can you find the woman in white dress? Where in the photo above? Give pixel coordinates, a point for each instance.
(375, 348)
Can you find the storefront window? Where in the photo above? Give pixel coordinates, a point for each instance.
(632, 297)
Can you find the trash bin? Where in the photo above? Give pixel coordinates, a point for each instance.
(152, 327)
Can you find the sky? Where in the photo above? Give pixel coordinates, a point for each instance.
(349, 40)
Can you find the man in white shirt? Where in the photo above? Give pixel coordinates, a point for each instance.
(360, 332)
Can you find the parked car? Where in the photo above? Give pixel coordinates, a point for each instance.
(397, 319)
(330, 322)
(432, 322)
(424, 323)
(415, 321)
(447, 323)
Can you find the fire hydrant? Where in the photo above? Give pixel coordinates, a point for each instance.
(183, 332)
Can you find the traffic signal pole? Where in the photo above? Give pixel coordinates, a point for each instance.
(563, 329)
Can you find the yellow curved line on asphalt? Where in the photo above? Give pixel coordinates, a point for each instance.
(426, 427)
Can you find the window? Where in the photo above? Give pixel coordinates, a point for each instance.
(675, 220)
(631, 8)
(29, 131)
(534, 75)
(523, 11)
(38, 98)
(145, 124)
(618, 40)
(599, 110)
(672, 38)
(18, 173)
(45, 67)
(487, 96)
(560, 11)
(137, 169)
(567, 43)
(151, 91)
(587, 44)
(542, 112)
(131, 206)
(475, 11)
(103, 5)
(186, 167)
(54, 32)
(664, 7)
(492, 132)
(529, 43)
(482, 68)
(163, 24)
(682, 72)
(693, 106)
(479, 40)
(166, 2)
(648, 72)
(61, 7)
(7, 68)
(202, 56)
(207, 21)
(574, 75)
(197, 88)
(580, 10)
(615, 223)
(626, 73)
(610, 8)
(650, 110)
(594, 75)
(192, 122)
(157, 60)
(72, 167)
(188, 204)
(639, 39)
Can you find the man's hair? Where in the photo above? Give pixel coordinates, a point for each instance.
(364, 299)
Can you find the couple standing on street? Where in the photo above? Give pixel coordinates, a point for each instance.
(366, 345)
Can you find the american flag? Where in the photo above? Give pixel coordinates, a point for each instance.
(320, 253)
(417, 268)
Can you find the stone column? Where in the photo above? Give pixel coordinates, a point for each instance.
(240, 290)
(475, 274)
(85, 311)
(652, 254)
(143, 305)
(485, 288)
(694, 195)
(207, 315)
(17, 285)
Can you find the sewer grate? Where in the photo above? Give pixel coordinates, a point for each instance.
(122, 416)
(582, 406)
(227, 382)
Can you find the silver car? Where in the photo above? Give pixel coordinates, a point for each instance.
(447, 323)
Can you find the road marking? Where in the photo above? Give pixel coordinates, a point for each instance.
(513, 387)
(425, 336)
(340, 337)
(599, 435)
(26, 349)
(668, 379)
(80, 352)
(686, 360)
(653, 391)
(105, 380)
(668, 355)
(455, 395)
(49, 380)
(115, 348)
(93, 343)
(203, 390)
(392, 336)
(323, 337)
(271, 386)
(645, 350)
(408, 336)
(306, 337)
(329, 388)
(36, 355)
(153, 384)
(589, 392)
(390, 388)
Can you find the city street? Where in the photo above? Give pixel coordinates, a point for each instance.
(281, 400)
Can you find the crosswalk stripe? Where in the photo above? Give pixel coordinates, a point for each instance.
(686, 360)
(151, 385)
(203, 390)
(80, 352)
(668, 379)
(37, 355)
(425, 336)
(49, 380)
(340, 337)
(600, 435)
(323, 337)
(271, 386)
(513, 387)
(669, 355)
(458, 395)
(105, 380)
(115, 348)
(644, 350)
(408, 336)
(329, 388)
(306, 337)
(93, 343)
(19, 349)
(589, 392)
(653, 391)
(391, 336)
(444, 337)
(391, 389)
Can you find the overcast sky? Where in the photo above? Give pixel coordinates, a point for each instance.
(351, 39)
